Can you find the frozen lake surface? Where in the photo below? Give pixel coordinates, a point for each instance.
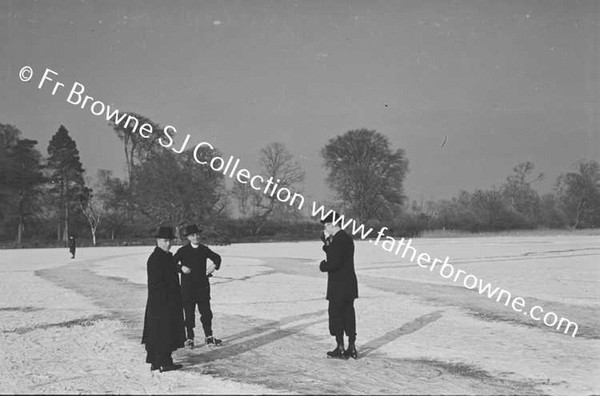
(74, 326)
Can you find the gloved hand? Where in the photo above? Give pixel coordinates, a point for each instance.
(323, 237)
(326, 241)
(322, 266)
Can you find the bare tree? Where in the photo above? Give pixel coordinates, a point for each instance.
(92, 214)
(173, 188)
(92, 203)
(579, 194)
(520, 196)
(136, 147)
(278, 164)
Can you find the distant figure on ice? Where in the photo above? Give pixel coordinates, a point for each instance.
(72, 245)
(163, 321)
(342, 286)
(195, 286)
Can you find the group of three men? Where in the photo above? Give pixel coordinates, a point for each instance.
(167, 301)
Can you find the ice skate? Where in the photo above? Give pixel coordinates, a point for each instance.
(337, 353)
(212, 341)
(351, 352)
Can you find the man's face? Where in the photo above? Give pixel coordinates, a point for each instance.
(327, 229)
(194, 238)
(164, 244)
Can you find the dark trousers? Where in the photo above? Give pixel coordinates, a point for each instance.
(206, 315)
(158, 356)
(342, 319)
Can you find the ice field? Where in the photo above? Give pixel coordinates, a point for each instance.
(75, 326)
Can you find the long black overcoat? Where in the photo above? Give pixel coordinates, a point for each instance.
(163, 321)
(342, 284)
(195, 285)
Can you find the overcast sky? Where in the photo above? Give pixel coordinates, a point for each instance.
(501, 81)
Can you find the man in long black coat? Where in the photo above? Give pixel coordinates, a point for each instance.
(195, 286)
(163, 321)
(342, 287)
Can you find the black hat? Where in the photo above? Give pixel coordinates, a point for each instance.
(190, 229)
(165, 233)
(331, 217)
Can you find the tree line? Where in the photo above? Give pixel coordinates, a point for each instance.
(574, 203)
(46, 198)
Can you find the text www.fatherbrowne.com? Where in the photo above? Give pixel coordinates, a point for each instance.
(271, 187)
(402, 248)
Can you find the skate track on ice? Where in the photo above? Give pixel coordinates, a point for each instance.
(413, 336)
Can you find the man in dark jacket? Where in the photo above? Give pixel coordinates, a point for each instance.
(195, 287)
(342, 287)
(72, 246)
(163, 322)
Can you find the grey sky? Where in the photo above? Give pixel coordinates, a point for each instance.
(504, 81)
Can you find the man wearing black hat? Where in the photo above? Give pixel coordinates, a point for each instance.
(195, 287)
(163, 321)
(342, 286)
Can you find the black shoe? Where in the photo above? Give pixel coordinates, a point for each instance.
(351, 352)
(170, 367)
(212, 341)
(153, 367)
(337, 353)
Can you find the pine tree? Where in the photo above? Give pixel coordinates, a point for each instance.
(21, 180)
(9, 136)
(66, 177)
(26, 179)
